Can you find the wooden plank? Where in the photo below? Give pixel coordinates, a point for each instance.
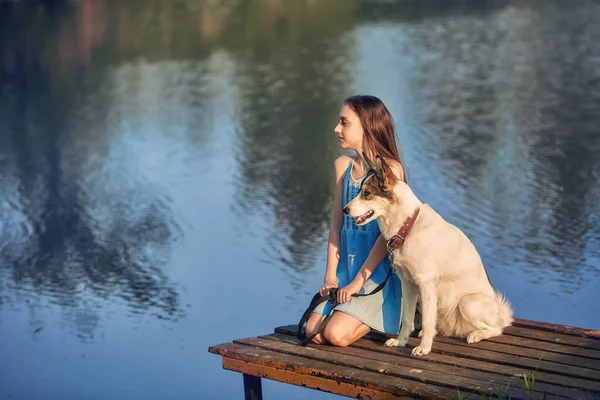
(339, 356)
(512, 360)
(252, 388)
(340, 375)
(567, 359)
(565, 329)
(446, 347)
(307, 381)
(580, 385)
(398, 362)
(545, 346)
(553, 337)
(445, 362)
(481, 359)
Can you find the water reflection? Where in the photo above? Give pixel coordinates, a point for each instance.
(71, 233)
(287, 147)
(112, 115)
(511, 127)
(93, 160)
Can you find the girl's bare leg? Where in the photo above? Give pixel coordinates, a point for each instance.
(343, 329)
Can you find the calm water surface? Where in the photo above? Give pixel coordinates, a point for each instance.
(166, 171)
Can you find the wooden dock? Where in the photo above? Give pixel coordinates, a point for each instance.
(531, 360)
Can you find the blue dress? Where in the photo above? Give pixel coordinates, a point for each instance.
(380, 311)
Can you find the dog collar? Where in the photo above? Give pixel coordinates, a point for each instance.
(398, 239)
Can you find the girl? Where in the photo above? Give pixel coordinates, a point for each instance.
(357, 258)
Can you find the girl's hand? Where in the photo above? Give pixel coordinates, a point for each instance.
(345, 294)
(329, 283)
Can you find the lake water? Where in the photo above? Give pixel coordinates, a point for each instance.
(166, 171)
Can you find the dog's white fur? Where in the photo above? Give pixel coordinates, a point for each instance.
(438, 261)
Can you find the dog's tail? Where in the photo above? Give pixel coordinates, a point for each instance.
(505, 310)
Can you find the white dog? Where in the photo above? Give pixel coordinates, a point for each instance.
(436, 260)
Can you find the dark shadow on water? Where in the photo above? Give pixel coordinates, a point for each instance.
(415, 11)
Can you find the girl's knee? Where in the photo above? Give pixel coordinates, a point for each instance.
(336, 337)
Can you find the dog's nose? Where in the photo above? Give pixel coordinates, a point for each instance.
(346, 210)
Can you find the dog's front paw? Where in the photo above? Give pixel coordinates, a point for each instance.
(395, 342)
(421, 351)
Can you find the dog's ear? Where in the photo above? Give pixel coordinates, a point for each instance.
(386, 175)
(375, 166)
(379, 169)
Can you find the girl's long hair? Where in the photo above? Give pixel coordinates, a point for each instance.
(378, 125)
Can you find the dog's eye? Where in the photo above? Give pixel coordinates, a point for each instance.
(366, 192)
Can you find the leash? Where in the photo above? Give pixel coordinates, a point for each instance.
(332, 296)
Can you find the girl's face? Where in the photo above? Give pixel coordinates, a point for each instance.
(349, 130)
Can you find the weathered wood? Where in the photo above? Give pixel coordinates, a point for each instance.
(445, 355)
(552, 337)
(566, 329)
(448, 346)
(312, 382)
(402, 364)
(511, 360)
(351, 377)
(564, 359)
(504, 348)
(545, 346)
(343, 357)
(252, 387)
(470, 366)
